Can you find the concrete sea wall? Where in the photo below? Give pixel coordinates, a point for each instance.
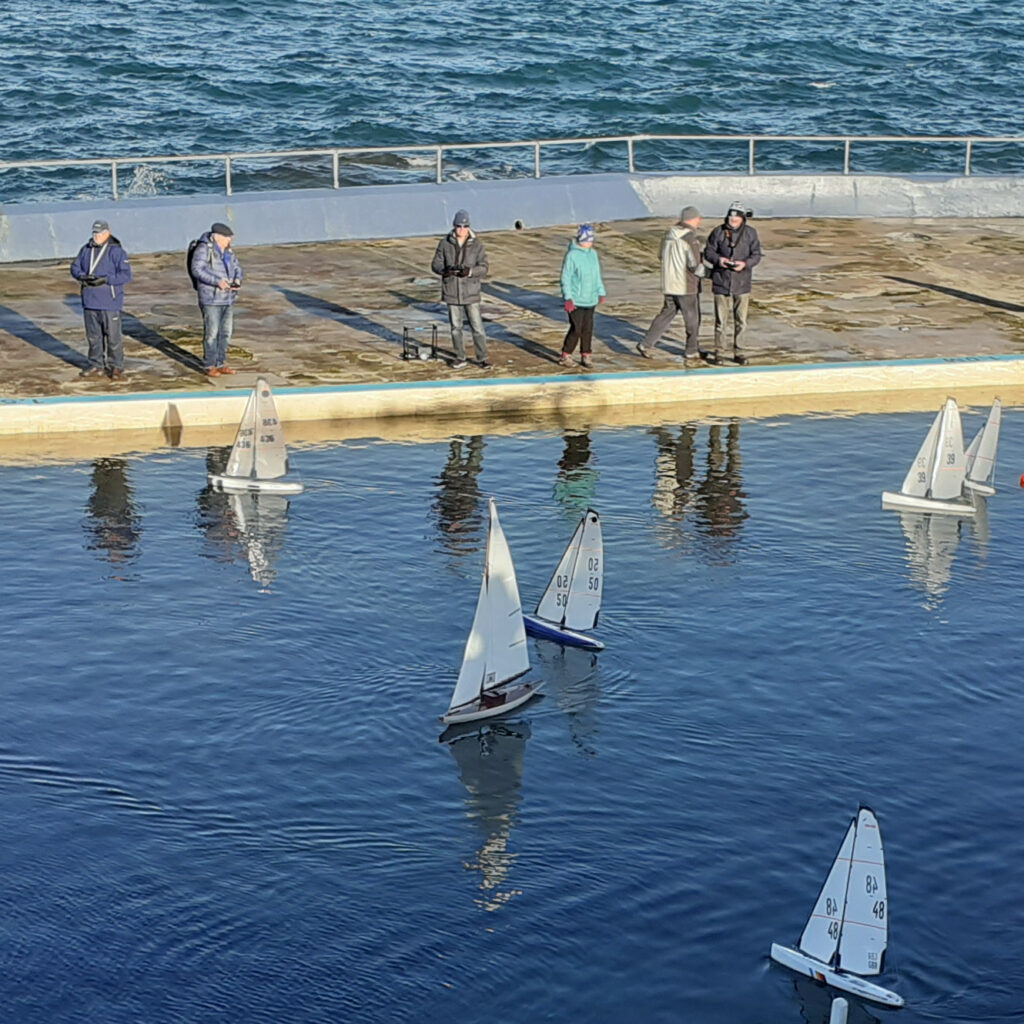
(36, 231)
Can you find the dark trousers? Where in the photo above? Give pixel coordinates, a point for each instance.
(581, 329)
(103, 332)
(689, 306)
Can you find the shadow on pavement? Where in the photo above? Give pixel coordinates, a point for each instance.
(23, 328)
(136, 329)
(956, 293)
(340, 314)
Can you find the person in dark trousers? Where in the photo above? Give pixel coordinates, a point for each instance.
(733, 250)
(217, 275)
(681, 273)
(461, 263)
(101, 267)
(582, 292)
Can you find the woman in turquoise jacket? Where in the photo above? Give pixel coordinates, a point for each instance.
(582, 291)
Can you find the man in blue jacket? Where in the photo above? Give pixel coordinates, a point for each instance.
(102, 269)
(217, 275)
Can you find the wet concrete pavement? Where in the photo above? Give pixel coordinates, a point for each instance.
(334, 313)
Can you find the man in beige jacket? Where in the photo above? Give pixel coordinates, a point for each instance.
(681, 273)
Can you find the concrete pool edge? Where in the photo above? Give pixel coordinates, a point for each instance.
(506, 396)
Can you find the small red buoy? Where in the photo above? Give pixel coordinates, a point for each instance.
(1022, 479)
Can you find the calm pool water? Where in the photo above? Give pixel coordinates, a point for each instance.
(223, 796)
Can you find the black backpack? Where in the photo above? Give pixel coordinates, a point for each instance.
(188, 259)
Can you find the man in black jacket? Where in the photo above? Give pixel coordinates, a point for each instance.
(461, 263)
(733, 250)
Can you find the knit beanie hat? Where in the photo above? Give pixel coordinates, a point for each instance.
(585, 233)
(689, 213)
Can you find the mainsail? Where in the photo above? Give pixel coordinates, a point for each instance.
(573, 595)
(496, 648)
(259, 449)
(980, 457)
(820, 937)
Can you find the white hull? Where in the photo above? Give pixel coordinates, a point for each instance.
(897, 499)
(852, 983)
(987, 489)
(514, 694)
(248, 484)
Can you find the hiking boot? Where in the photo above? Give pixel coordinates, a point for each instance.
(586, 361)
(692, 362)
(224, 368)
(116, 374)
(91, 371)
(459, 364)
(711, 358)
(484, 364)
(644, 352)
(565, 359)
(740, 360)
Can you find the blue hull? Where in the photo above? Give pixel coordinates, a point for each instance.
(552, 631)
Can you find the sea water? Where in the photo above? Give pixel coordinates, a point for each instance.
(224, 797)
(118, 78)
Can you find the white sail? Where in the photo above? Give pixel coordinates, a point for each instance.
(573, 596)
(947, 480)
(243, 451)
(584, 603)
(919, 475)
(496, 648)
(271, 454)
(980, 457)
(821, 934)
(865, 928)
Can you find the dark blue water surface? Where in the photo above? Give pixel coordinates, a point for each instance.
(121, 78)
(223, 797)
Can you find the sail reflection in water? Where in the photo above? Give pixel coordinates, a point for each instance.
(932, 542)
(713, 502)
(456, 505)
(576, 482)
(249, 525)
(490, 760)
(572, 677)
(114, 521)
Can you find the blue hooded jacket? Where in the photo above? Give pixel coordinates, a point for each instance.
(108, 260)
(210, 265)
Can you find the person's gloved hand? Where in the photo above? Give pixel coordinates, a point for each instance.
(568, 305)
(94, 280)
(465, 271)
(600, 299)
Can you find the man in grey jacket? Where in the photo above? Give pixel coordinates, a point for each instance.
(461, 263)
(681, 272)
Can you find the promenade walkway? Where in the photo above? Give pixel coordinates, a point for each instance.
(333, 313)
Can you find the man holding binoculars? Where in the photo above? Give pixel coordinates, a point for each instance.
(461, 263)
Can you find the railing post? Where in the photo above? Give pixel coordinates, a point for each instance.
(113, 178)
(227, 175)
(536, 159)
(967, 160)
(629, 150)
(440, 167)
(750, 158)
(334, 168)
(846, 156)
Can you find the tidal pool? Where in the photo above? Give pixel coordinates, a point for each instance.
(224, 799)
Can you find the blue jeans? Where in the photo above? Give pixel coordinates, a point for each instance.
(476, 325)
(217, 324)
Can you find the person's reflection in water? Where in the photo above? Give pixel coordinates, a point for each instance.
(571, 676)
(673, 470)
(113, 523)
(248, 524)
(721, 495)
(456, 506)
(576, 482)
(490, 760)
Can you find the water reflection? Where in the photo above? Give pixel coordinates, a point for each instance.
(931, 544)
(816, 1004)
(250, 525)
(711, 494)
(571, 676)
(576, 482)
(114, 520)
(490, 760)
(456, 505)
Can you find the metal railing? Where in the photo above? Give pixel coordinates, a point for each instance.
(536, 145)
